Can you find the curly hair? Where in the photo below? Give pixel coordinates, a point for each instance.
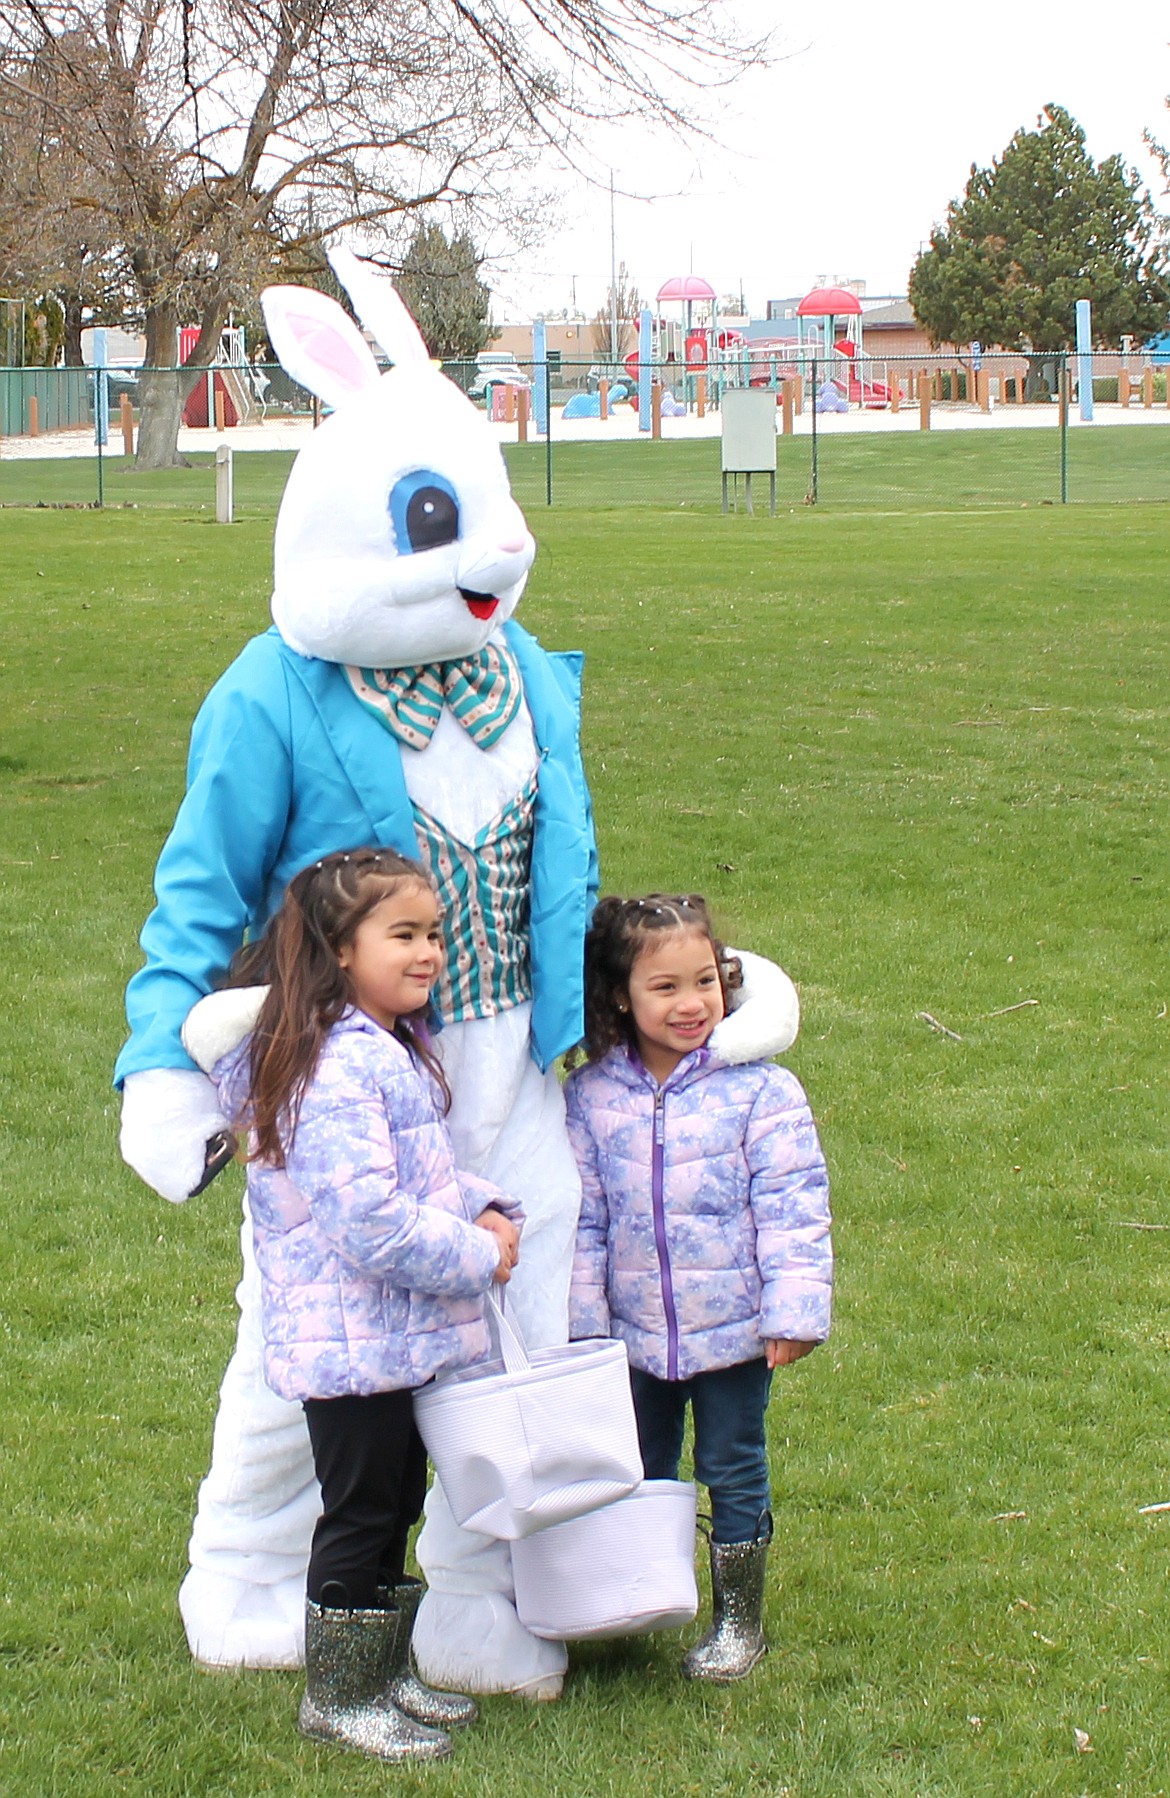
(619, 932)
(308, 989)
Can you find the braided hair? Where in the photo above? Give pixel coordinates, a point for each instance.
(619, 932)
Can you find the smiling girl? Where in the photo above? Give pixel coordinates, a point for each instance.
(375, 1254)
(703, 1239)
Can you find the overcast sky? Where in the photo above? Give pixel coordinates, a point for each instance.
(836, 161)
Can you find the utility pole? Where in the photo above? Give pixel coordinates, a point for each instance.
(613, 302)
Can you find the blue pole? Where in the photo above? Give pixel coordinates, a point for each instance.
(101, 390)
(540, 390)
(645, 352)
(1085, 359)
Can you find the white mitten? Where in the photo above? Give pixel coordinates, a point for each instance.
(168, 1114)
(765, 1018)
(219, 1022)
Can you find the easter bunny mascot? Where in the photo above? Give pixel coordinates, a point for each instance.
(394, 702)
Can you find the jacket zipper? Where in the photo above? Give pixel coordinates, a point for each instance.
(656, 1161)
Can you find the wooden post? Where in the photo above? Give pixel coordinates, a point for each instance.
(127, 411)
(510, 406)
(519, 396)
(800, 396)
(701, 395)
(34, 416)
(655, 411)
(1123, 386)
(224, 494)
(894, 383)
(1147, 387)
(787, 400)
(983, 389)
(924, 387)
(220, 414)
(603, 398)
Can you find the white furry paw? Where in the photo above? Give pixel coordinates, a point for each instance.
(168, 1114)
(221, 1021)
(474, 1642)
(232, 1624)
(766, 1016)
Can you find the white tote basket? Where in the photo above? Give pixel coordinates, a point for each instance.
(530, 1440)
(623, 1571)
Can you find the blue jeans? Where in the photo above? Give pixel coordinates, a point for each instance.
(731, 1450)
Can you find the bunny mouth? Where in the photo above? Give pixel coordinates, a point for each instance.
(480, 605)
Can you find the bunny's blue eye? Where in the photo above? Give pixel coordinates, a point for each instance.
(424, 511)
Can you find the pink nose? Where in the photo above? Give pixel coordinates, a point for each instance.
(511, 546)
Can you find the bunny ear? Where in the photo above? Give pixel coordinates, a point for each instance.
(379, 307)
(318, 344)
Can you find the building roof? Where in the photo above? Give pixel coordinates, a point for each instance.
(895, 316)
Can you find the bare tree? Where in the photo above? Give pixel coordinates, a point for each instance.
(210, 146)
(614, 329)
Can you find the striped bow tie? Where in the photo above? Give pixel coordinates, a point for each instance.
(483, 691)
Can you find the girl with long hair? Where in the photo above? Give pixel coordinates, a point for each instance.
(375, 1254)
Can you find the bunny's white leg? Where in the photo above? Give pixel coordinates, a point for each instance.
(508, 1123)
(243, 1600)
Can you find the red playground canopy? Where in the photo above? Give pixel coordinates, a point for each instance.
(686, 287)
(832, 302)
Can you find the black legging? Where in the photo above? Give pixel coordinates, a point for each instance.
(372, 1468)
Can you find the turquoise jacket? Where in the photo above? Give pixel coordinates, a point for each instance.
(286, 766)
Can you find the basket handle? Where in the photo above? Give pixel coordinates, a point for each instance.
(513, 1351)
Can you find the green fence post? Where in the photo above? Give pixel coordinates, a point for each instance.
(814, 472)
(1064, 389)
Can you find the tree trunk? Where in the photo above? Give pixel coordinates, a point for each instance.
(164, 394)
(164, 386)
(73, 355)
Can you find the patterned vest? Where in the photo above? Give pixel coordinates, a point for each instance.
(484, 891)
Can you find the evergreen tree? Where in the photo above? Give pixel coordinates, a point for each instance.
(1042, 228)
(440, 283)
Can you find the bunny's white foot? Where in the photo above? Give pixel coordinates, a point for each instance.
(233, 1624)
(474, 1642)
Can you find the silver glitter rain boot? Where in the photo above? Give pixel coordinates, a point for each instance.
(735, 1641)
(346, 1668)
(442, 1710)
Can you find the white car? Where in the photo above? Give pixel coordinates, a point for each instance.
(495, 368)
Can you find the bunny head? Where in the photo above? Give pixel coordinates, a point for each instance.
(398, 540)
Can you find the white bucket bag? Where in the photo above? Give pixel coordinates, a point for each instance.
(623, 1571)
(529, 1440)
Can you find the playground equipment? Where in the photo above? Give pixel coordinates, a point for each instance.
(229, 389)
(817, 316)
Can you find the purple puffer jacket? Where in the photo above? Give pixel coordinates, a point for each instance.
(373, 1275)
(705, 1212)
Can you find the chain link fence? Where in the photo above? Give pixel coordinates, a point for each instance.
(871, 433)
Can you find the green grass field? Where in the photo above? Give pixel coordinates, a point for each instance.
(943, 470)
(923, 761)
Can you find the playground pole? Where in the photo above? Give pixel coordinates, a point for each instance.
(540, 372)
(1085, 359)
(645, 351)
